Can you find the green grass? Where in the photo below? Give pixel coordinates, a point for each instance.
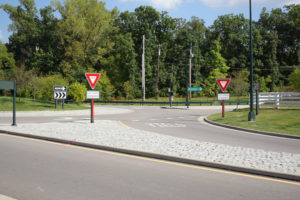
(25, 104)
(286, 121)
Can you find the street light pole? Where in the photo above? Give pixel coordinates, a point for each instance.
(251, 116)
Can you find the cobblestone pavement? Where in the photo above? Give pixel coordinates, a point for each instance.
(116, 134)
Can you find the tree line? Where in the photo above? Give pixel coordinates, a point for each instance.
(46, 50)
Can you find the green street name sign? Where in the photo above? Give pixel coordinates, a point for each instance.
(193, 89)
(7, 85)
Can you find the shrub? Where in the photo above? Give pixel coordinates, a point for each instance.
(77, 92)
(45, 89)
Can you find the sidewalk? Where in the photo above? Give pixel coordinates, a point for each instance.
(116, 136)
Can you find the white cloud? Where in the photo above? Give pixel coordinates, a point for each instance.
(239, 3)
(161, 4)
(171, 4)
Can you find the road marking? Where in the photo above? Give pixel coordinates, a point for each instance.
(161, 161)
(167, 125)
(124, 124)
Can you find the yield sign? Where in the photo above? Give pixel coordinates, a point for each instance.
(223, 83)
(92, 78)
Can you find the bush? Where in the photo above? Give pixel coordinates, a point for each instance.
(77, 92)
(45, 89)
(295, 79)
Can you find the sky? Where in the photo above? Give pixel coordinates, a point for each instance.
(208, 10)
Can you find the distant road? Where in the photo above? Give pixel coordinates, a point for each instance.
(35, 170)
(180, 123)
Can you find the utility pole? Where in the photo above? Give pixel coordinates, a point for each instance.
(157, 70)
(143, 69)
(190, 69)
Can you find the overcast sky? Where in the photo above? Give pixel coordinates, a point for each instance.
(208, 10)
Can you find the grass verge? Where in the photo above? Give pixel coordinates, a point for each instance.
(286, 121)
(25, 104)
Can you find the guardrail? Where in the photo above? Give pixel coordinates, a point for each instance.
(174, 103)
(279, 99)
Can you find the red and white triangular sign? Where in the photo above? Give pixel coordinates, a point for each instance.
(92, 78)
(223, 83)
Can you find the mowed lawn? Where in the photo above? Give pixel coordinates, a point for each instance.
(25, 104)
(285, 121)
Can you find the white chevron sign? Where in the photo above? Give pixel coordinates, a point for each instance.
(60, 95)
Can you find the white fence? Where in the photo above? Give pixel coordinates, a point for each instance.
(279, 99)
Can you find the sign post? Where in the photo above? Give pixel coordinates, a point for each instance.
(10, 85)
(92, 79)
(223, 84)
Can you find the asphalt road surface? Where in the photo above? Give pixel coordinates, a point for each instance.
(181, 123)
(35, 170)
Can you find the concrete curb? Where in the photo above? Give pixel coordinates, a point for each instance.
(165, 107)
(163, 157)
(251, 130)
(2, 197)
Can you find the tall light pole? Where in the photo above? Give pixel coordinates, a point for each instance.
(251, 115)
(143, 71)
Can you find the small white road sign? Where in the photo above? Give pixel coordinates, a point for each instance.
(223, 96)
(92, 94)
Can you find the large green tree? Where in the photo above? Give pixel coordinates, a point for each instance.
(7, 63)
(84, 35)
(23, 41)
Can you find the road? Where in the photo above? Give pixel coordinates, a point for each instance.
(35, 170)
(182, 123)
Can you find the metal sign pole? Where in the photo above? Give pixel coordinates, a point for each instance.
(223, 109)
(14, 106)
(92, 111)
(63, 104)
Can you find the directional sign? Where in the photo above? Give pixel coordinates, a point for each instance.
(223, 96)
(193, 89)
(59, 88)
(60, 95)
(92, 94)
(92, 78)
(223, 83)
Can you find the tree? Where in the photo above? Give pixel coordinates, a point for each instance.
(234, 38)
(105, 87)
(239, 83)
(218, 69)
(7, 63)
(23, 41)
(84, 35)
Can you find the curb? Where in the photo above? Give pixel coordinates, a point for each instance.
(251, 130)
(165, 107)
(163, 157)
(2, 197)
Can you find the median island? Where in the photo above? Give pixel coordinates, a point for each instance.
(284, 121)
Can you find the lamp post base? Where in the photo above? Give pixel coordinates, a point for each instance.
(251, 116)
